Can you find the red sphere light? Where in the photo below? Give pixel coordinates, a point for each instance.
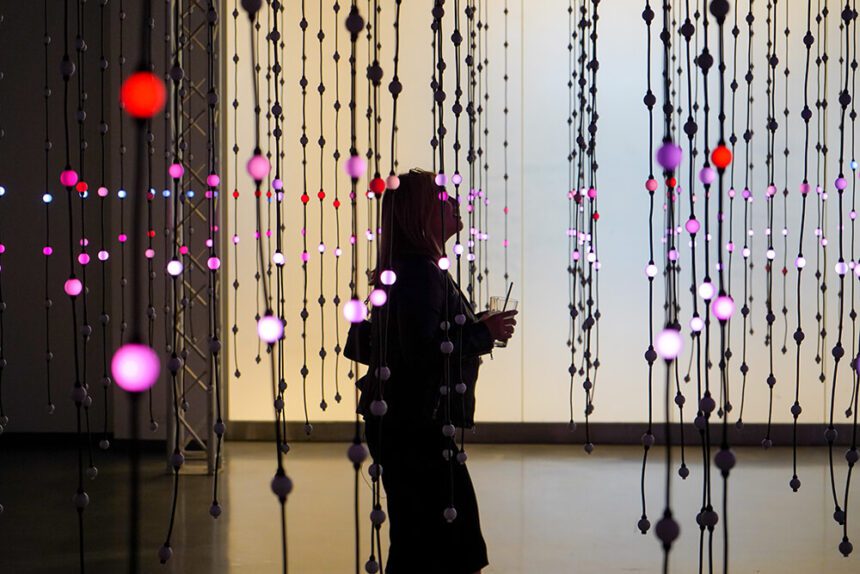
(721, 157)
(377, 185)
(143, 95)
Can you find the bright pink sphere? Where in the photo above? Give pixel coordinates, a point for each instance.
(104, 255)
(441, 179)
(707, 175)
(354, 311)
(270, 329)
(388, 277)
(392, 182)
(692, 226)
(804, 188)
(73, 287)
(47, 250)
(174, 267)
(135, 367)
(378, 297)
(355, 166)
(258, 167)
(457, 179)
(841, 183)
(103, 191)
(651, 184)
(212, 180)
(83, 258)
(176, 170)
(723, 307)
(68, 178)
(213, 263)
(444, 263)
(668, 344)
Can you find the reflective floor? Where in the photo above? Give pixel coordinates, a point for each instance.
(544, 509)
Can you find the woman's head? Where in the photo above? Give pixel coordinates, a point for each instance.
(413, 218)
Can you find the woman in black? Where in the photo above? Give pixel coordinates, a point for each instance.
(423, 471)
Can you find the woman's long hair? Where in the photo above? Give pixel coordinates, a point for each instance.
(406, 216)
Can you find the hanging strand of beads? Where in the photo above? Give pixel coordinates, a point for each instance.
(303, 140)
(336, 202)
(650, 269)
(47, 199)
(175, 270)
(571, 157)
(235, 171)
(505, 110)
(121, 193)
(103, 253)
(149, 28)
(354, 310)
(73, 286)
(4, 420)
(730, 245)
(321, 196)
(785, 153)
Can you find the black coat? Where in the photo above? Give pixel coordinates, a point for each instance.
(407, 336)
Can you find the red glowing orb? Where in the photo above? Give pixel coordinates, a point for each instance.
(143, 95)
(721, 157)
(377, 185)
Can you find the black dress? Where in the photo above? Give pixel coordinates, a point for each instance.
(419, 483)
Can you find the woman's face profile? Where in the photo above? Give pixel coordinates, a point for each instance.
(450, 214)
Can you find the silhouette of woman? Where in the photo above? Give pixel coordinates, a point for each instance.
(407, 441)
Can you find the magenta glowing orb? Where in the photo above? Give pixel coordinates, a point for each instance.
(723, 307)
(212, 180)
(651, 184)
(270, 329)
(707, 291)
(73, 287)
(213, 263)
(68, 178)
(174, 267)
(258, 167)
(103, 191)
(378, 297)
(669, 156)
(841, 183)
(668, 344)
(841, 268)
(392, 182)
(176, 170)
(83, 258)
(441, 179)
(355, 166)
(388, 277)
(457, 179)
(707, 175)
(444, 263)
(354, 311)
(696, 324)
(135, 367)
(804, 188)
(278, 258)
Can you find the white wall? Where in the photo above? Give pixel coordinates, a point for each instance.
(528, 381)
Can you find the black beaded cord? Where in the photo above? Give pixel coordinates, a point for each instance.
(650, 271)
(471, 156)
(690, 128)
(725, 459)
(480, 204)
(770, 165)
(505, 111)
(336, 202)
(47, 199)
(707, 518)
(321, 248)
(83, 257)
(667, 528)
(213, 195)
(235, 172)
(281, 484)
(149, 27)
(79, 392)
(845, 97)
(785, 153)
(303, 140)
(175, 270)
(103, 254)
(355, 166)
(258, 231)
(4, 420)
(747, 197)
(121, 193)
(571, 264)
(370, 231)
(484, 189)
(730, 245)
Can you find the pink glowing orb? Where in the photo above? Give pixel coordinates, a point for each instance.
(135, 367)
(355, 166)
(458, 249)
(707, 175)
(103, 191)
(68, 178)
(321, 247)
(354, 311)
(306, 256)
(804, 188)
(183, 250)
(392, 182)
(457, 179)
(212, 180)
(723, 307)
(149, 253)
(174, 267)
(668, 344)
(122, 237)
(669, 156)
(800, 262)
(277, 184)
(338, 252)
(651, 270)
(73, 287)
(444, 263)
(696, 324)
(278, 258)
(388, 277)
(213, 263)
(176, 170)
(841, 268)
(841, 183)
(441, 179)
(47, 250)
(270, 329)
(592, 193)
(692, 226)
(651, 184)
(707, 291)
(83, 258)
(771, 190)
(235, 240)
(258, 167)
(378, 297)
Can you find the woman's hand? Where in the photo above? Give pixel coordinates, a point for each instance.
(501, 325)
